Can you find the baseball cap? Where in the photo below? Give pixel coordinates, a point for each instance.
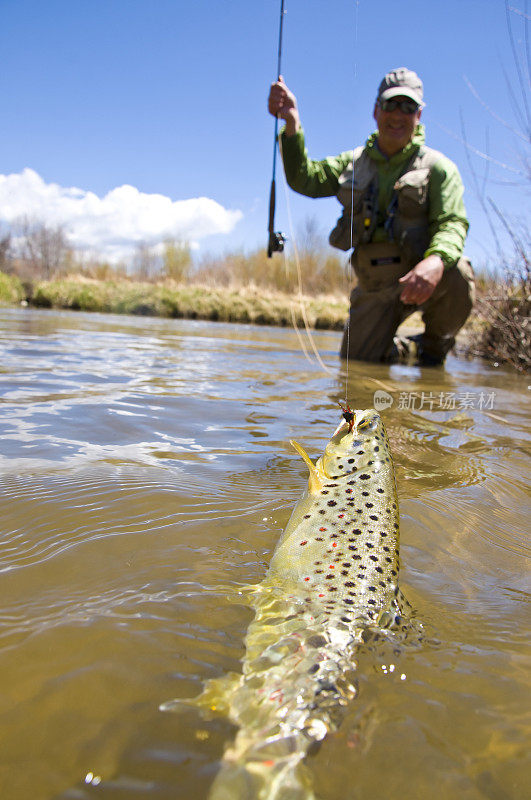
(401, 82)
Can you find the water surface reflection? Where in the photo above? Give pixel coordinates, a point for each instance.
(145, 465)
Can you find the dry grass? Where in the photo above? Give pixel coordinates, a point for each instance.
(500, 329)
(251, 304)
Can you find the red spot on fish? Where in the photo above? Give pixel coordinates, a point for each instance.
(304, 542)
(340, 516)
(269, 763)
(306, 579)
(334, 544)
(322, 529)
(320, 595)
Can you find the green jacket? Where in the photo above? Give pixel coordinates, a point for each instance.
(448, 224)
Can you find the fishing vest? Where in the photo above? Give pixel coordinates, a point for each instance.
(407, 222)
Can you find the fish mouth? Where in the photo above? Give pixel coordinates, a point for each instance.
(359, 416)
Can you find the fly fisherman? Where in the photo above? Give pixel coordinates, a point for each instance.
(403, 214)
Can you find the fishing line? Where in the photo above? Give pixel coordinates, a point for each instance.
(349, 260)
(277, 239)
(299, 283)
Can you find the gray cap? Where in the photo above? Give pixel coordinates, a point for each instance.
(401, 82)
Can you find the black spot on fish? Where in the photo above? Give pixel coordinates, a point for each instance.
(374, 517)
(344, 572)
(351, 460)
(330, 485)
(349, 583)
(331, 575)
(376, 449)
(307, 516)
(324, 491)
(369, 545)
(319, 539)
(360, 453)
(331, 502)
(345, 619)
(386, 548)
(373, 603)
(356, 558)
(380, 491)
(381, 583)
(389, 560)
(365, 494)
(322, 511)
(378, 569)
(372, 588)
(313, 669)
(373, 558)
(364, 477)
(349, 602)
(356, 531)
(319, 571)
(369, 505)
(332, 588)
(351, 483)
(383, 534)
(352, 547)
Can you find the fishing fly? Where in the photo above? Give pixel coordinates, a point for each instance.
(348, 415)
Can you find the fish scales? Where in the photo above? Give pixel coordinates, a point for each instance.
(333, 576)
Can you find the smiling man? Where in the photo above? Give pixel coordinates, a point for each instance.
(403, 217)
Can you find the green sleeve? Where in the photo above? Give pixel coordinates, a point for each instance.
(447, 214)
(312, 178)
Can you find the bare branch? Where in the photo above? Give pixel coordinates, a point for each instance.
(497, 117)
(480, 154)
(517, 67)
(521, 13)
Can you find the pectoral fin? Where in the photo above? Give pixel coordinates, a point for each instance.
(214, 699)
(316, 479)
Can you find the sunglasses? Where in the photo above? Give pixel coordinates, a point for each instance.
(405, 106)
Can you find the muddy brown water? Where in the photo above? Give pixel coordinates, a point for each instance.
(145, 475)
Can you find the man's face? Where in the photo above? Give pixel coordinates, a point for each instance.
(395, 128)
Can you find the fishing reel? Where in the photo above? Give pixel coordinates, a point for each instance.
(276, 243)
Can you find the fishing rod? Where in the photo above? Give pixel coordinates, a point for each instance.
(276, 239)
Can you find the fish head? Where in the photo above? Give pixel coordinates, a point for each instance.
(363, 442)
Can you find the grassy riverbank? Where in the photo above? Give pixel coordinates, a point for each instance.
(190, 301)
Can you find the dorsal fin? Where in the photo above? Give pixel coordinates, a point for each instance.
(316, 479)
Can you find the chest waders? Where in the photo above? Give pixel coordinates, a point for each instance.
(375, 307)
(379, 264)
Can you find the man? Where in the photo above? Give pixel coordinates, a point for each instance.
(403, 214)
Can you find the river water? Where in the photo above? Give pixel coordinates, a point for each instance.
(145, 474)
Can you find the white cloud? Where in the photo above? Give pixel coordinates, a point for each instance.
(111, 225)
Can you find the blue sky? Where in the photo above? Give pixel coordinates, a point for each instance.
(169, 98)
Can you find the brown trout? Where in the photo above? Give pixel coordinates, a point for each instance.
(333, 576)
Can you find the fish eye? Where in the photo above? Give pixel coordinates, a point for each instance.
(369, 423)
